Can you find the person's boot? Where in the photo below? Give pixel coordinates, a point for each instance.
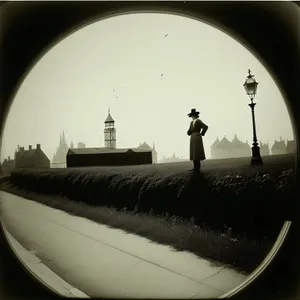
(197, 166)
(194, 162)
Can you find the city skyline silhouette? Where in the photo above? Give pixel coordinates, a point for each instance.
(150, 77)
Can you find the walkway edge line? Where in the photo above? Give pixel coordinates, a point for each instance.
(40, 271)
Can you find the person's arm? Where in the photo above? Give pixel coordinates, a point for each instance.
(189, 132)
(204, 129)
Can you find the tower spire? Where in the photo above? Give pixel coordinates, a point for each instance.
(63, 138)
(60, 142)
(109, 118)
(153, 146)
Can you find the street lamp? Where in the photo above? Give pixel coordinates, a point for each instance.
(250, 86)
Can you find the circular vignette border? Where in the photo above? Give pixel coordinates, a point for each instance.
(267, 31)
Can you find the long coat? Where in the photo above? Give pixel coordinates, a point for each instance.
(196, 143)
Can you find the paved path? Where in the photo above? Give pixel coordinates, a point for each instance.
(39, 270)
(105, 262)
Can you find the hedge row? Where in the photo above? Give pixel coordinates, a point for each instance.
(254, 203)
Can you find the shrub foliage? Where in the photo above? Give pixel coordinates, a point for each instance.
(254, 203)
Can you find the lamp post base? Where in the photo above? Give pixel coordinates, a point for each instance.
(256, 158)
(256, 161)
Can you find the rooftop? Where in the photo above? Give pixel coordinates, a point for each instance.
(109, 119)
(225, 141)
(278, 145)
(27, 153)
(104, 150)
(236, 140)
(144, 146)
(216, 142)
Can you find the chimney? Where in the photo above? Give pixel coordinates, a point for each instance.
(18, 148)
(9, 158)
(30, 147)
(38, 146)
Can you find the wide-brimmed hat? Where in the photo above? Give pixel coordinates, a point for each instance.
(193, 112)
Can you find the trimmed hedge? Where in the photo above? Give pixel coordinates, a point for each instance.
(254, 203)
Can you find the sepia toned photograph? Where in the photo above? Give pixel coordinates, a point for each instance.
(147, 155)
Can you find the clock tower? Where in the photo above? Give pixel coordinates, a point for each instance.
(109, 132)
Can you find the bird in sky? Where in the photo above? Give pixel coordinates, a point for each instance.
(166, 35)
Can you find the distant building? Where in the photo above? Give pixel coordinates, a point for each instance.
(264, 148)
(110, 155)
(154, 153)
(214, 149)
(59, 157)
(80, 145)
(239, 148)
(88, 157)
(291, 147)
(278, 147)
(110, 132)
(172, 159)
(226, 149)
(31, 158)
(7, 166)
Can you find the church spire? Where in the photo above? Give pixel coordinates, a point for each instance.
(63, 138)
(60, 142)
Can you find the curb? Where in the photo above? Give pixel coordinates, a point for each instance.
(40, 271)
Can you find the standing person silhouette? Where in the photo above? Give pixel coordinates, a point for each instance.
(197, 152)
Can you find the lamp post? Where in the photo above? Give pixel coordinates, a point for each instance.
(250, 86)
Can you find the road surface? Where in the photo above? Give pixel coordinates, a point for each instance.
(105, 262)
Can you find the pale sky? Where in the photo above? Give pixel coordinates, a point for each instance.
(71, 87)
